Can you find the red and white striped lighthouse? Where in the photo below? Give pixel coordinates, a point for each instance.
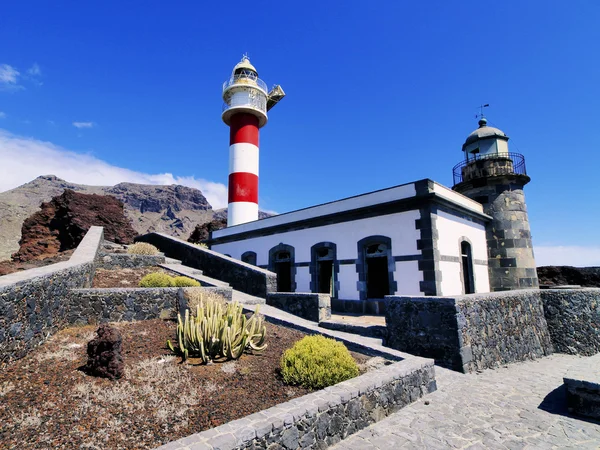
(246, 102)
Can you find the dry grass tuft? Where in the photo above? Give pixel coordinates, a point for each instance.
(142, 248)
(196, 295)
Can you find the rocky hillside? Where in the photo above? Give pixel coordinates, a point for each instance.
(174, 209)
(62, 223)
(567, 275)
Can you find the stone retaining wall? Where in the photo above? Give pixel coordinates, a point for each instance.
(127, 261)
(33, 303)
(325, 417)
(92, 306)
(241, 276)
(470, 332)
(573, 317)
(309, 306)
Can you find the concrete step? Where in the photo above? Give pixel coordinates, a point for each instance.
(247, 299)
(196, 275)
(174, 261)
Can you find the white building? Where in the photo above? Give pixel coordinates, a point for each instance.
(419, 238)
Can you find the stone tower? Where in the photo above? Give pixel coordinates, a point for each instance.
(494, 177)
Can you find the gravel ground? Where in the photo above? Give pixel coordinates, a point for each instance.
(46, 402)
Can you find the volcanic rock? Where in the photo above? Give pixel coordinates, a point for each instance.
(202, 231)
(568, 275)
(174, 210)
(62, 223)
(104, 354)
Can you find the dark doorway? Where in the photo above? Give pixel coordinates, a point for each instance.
(467, 267)
(378, 282)
(375, 267)
(324, 269)
(284, 278)
(376, 261)
(281, 261)
(325, 277)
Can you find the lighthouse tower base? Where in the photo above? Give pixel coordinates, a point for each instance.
(511, 263)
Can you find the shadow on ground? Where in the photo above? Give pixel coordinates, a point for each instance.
(556, 403)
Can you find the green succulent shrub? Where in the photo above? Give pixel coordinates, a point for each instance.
(142, 248)
(316, 362)
(156, 279)
(218, 332)
(185, 282)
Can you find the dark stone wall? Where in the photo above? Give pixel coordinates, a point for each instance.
(511, 262)
(127, 261)
(322, 418)
(470, 332)
(425, 326)
(573, 317)
(241, 276)
(502, 328)
(33, 309)
(309, 306)
(92, 306)
(33, 303)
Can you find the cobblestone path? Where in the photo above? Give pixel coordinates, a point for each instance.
(521, 406)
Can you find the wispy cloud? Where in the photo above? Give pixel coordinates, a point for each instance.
(2, 115)
(25, 158)
(9, 78)
(83, 124)
(567, 255)
(34, 70)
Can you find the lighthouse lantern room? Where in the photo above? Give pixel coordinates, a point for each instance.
(246, 102)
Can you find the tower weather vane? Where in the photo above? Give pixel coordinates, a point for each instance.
(481, 110)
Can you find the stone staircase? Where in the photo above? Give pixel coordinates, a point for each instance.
(176, 266)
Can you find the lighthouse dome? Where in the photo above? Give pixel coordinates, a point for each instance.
(484, 132)
(243, 66)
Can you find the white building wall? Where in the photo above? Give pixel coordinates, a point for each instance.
(451, 230)
(451, 279)
(302, 279)
(348, 277)
(399, 227)
(408, 276)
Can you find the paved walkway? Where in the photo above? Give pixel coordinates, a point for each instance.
(517, 407)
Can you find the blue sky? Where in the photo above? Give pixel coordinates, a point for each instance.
(378, 94)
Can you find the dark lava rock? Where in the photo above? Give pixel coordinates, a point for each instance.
(62, 223)
(150, 198)
(568, 275)
(202, 231)
(104, 354)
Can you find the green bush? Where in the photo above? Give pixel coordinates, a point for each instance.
(316, 362)
(156, 279)
(142, 248)
(185, 282)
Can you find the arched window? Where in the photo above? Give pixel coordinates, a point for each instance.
(375, 267)
(249, 257)
(282, 262)
(324, 269)
(466, 261)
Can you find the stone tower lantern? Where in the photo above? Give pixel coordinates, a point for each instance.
(495, 177)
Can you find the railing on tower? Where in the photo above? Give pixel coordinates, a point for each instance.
(245, 79)
(489, 165)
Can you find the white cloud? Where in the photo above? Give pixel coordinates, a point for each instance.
(568, 255)
(24, 159)
(2, 115)
(83, 124)
(9, 77)
(34, 70)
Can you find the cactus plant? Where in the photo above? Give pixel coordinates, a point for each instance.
(218, 332)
